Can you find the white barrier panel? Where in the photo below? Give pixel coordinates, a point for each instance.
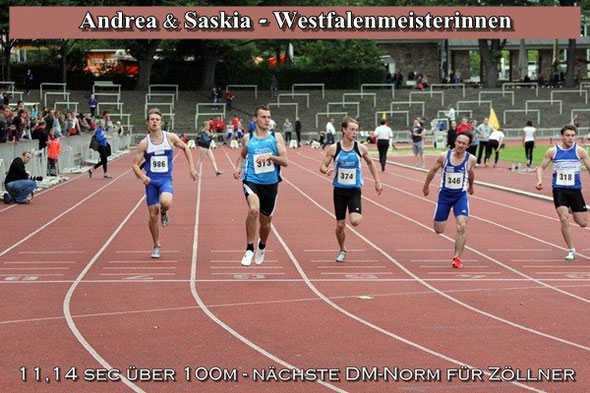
(164, 88)
(321, 85)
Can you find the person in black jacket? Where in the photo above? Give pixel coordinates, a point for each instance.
(18, 185)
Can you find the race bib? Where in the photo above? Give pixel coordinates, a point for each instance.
(454, 181)
(263, 166)
(159, 164)
(347, 176)
(565, 177)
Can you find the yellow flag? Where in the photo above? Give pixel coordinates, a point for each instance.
(494, 119)
(384, 116)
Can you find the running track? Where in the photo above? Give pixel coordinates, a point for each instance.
(80, 290)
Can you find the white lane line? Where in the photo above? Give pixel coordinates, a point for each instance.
(24, 239)
(520, 249)
(347, 261)
(537, 260)
(241, 251)
(336, 250)
(68, 298)
(142, 251)
(349, 267)
(461, 272)
(374, 273)
(34, 268)
(559, 266)
(422, 249)
(446, 266)
(212, 316)
(36, 274)
(563, 272)
(158, 261)
(132, 274)
(38, 262)
(257, 267)
(365, 322)
(248, 272)
(452, 299)
(441, 260)
(51, 252)
(236, 261)
(285, 280)
(139, 267)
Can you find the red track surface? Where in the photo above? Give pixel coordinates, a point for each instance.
(92, 298)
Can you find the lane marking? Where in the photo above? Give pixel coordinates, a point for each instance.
(52, 252)
(143, 251)
(38, 262)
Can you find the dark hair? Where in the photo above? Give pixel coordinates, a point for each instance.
(529, 123)
(260, 108)
(346, 121)
(468, 134)
(383, 121)
(569, 127)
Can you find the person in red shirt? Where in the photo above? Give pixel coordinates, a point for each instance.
(235, 122)
(464, 126)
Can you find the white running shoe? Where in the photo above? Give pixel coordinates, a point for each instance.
(341, 256)
(165, 220)
(156, 252)
(259, 256)
(571, 255)
(247, 258)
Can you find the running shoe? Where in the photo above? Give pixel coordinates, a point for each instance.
(156, 252)
(218, 173)
(259, 256)
(165, 220)
(571, 255)
(457, 263)
(247, 258)
(341, 256)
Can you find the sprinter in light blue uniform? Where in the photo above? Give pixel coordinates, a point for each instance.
(457, 179)
(258, 167)
(348, 179)
(567, 159)
(156, 149)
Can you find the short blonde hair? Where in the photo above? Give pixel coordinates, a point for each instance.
(154, 111)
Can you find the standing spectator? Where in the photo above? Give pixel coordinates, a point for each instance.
(495, 143)
(53, 152)
(213, 96)
(92, 102)
(18, 185)
(384, 135)
(40, 133)
(288, 131)
(452, 116)
(219, 94)
(252, 125)
(472, 149)
(298, 131)
(29, 81)
(119, 130)
(417, 132)
(528, 141)
(235, 121)
(4, 123)
(83, 123)
(18, 126)
(398, 79)
(464, 126)
(50, 119)
(576, 121)
(273, 125)
(108, 123)
(5, 98)
(229, 99)
(103, 150)
(330, 134)
(34, 112)
(483, 132)
(274, 86)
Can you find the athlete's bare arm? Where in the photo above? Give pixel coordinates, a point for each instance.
(187, 152)
(281, 159)
(435, 167)
(546, 160)
(241, 157)
(141, 149)
(471, 174)
(325, 167)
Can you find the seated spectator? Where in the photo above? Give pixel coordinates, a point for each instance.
(18, 185)
(83, 123)
(40, 133)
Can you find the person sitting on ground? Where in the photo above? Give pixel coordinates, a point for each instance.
(18, 184)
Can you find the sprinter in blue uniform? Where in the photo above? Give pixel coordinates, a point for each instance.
(156, 149)
(456, 181)
(348, 179)
(258, 167)
(567, 159)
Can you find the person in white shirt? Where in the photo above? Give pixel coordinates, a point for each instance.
(494, 143)
(451, 114)
(528, 141)
(330, 134)
(383, 135)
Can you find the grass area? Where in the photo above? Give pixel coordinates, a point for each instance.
(508, 153)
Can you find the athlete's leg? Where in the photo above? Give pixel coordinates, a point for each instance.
(340, 235)
(264, 228)
(439, 226)
(165, 202)
(564, 218)
(581, 218)
(461, 235)
(154, 211)
(252, 218)
(355, 219)
(212, 158)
